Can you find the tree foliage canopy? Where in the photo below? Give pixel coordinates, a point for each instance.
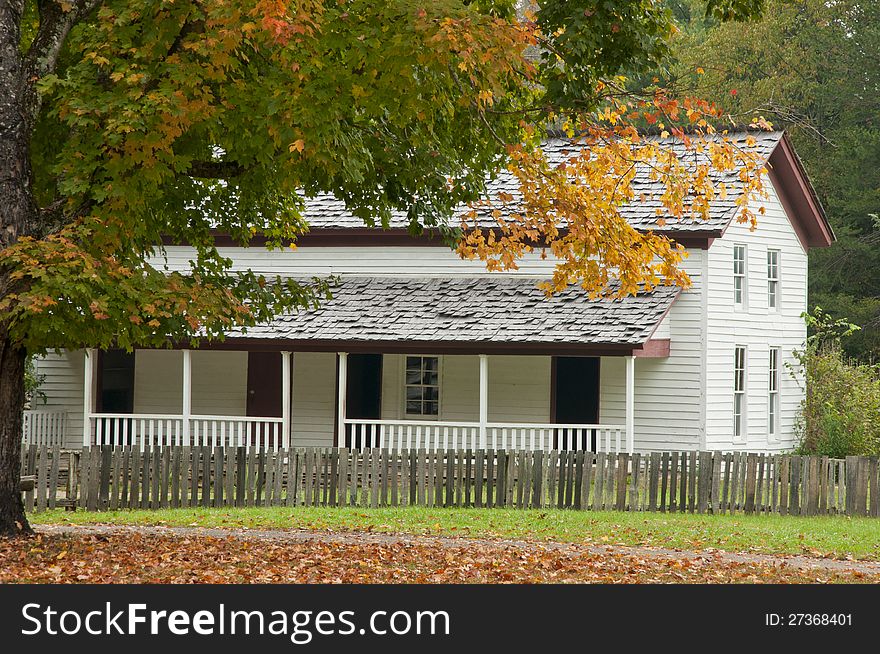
(168, 119)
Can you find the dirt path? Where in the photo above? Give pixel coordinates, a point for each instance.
(795, 562)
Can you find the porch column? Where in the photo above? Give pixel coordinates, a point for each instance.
(630, 402)
(285, 399)
(340, 398)
(88, 394)
(484, 397)
(187, 394)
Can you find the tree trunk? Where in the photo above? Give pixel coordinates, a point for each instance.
(17, 213)
(12, 363)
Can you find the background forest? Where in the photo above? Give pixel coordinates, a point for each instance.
(811, 67)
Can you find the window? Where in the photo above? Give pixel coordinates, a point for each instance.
(422, 386)
(773, 394)
(739, 275)
(739, 392)
(772, 279)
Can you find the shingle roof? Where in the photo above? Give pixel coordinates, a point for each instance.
(497, 309)
(326, 212)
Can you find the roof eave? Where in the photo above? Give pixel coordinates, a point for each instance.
(798, 196)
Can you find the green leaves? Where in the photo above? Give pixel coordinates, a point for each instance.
(172, 120)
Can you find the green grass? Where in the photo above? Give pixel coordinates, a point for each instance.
(821, 536)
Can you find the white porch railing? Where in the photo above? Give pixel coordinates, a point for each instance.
(162, 430)
(44, 427)
(437, 435)
(266, 433)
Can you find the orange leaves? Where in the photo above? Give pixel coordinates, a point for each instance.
(145, 555)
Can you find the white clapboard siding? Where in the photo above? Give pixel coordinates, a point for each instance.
(755, 327)
(63, 386)
(668, 390)
(314, 399)
(519, 388)
(158, 382)
(361, 260)
(219, 383)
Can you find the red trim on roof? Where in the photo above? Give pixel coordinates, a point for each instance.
(798, 196)
(416, 347)
(375, 236)
(654, 348)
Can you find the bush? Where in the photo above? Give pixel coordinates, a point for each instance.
(840, 414)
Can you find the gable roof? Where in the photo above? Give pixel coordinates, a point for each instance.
(465, 314)
(325, 213)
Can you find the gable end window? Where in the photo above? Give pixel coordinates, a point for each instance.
(739, 393)
(422, 392)
(773, 394)
(773, 279)
(739, 275)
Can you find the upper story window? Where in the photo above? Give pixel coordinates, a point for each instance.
(773, 394)
(739, 392)
(773, 279)
(739, 275)
(422, 386)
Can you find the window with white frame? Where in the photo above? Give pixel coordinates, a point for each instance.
(739, 392)
(739, 275)
(773, 279)
(773, 394)
(422, 378)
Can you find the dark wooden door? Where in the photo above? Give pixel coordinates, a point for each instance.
(264, 384)
(575, 398)
(115, 382)
(115, 394)
(363, 398)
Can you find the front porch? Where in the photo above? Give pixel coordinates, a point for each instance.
(282, 399)
(402, 363)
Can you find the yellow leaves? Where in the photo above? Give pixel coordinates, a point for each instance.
(297, 146)
(99, 60)
(576, 210)
(485, 98)
(358, 91)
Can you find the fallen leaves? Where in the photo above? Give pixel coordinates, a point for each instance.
(148, 558)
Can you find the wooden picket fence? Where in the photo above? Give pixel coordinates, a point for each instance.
(110, 478)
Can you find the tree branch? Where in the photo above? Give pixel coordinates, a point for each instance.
(56, 21)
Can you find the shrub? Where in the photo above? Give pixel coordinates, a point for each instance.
(840, 414)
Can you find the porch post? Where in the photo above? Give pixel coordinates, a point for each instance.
(484, 397)
(630, 402)
(285, 399)
(340, 397)
(88, 395)
(187, 394)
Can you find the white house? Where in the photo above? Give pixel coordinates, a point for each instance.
(419, 348)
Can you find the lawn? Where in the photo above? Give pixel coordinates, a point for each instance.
(838, 537)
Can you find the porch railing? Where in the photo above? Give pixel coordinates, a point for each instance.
(441, 435)
(158, 430)
(44, 427)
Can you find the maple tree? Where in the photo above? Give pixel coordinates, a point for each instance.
(125, 122)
